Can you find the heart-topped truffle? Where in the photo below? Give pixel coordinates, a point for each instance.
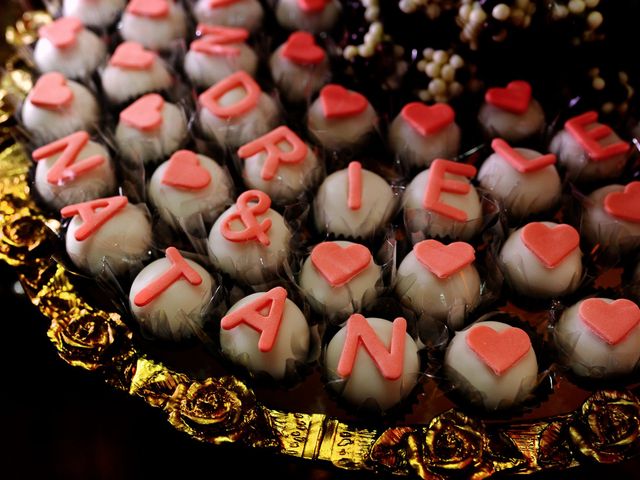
(185, 172)
(145, 113)
(444, 260)
(132, 56)
(514, 98)
(51, 92)
(613, 321)
(428, 120)
(301, 48)
(550, 244)
(337, 264)
(312, 6)
(624, 205)
(63, 32)
(499, 351)
(338, 102)
(149, 8)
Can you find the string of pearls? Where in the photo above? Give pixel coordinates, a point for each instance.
(441, 68)
(472, 18)
(431, 8)
(375, 34)
(599, 84)
(585, 8)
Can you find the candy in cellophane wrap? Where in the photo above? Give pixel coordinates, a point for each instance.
(202, 407)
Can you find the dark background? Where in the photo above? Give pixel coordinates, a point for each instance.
(60, 422)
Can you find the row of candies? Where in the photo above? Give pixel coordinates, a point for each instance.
(249, 240)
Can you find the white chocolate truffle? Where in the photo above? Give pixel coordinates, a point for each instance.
(340, 278)
(94, 13)
(469, 373)
(314, 17)
(366, 382)
(421, 133)
(235, 111)
(447, 295)
(141, 144)
(580, 165)
(599, 342)
(300, 74)
(341, 118)
(290, 179)
(511, 113)
(611, 218)
(241, 343)
(421, 221)
(58, 188)
(156, 29)
(133, 71)
(247, 258)
(178, 312)
(200, 187)
(332, 205)
(204, 69)
(230, 13)
(77, 58)
(521, 193)
(47, 123)
(122, 241)
(551, 264)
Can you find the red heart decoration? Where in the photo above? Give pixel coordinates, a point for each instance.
(145, 113)
(337, 264)
(338, 102)
(312, 6)
(427, 120)
(444, 260)
(51, 92)
(624, 205)
(301, 48)
(149, 8)
(62, 33)
(498, 350)
(514, 98)
(133, 56)
(185, 172)
(550, 244)
(613, 321)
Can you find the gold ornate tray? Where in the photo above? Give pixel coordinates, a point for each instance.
(604, 429)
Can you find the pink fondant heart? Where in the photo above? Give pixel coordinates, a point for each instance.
(624, 205)
(301, 48)
(149, 8)
(427, 120)
(51, 91)
(312, 6)
(613, 321)
(444, 260)
(63, 32)
(133, 56)
(338, 102)
(514, 98)
(221, 3)
(337, 264)
(498, 350)
(185, 172)
(145, 113)
(550, 244)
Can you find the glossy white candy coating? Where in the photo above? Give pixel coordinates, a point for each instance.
(240, 344)
(79, 60)
(122, 242)
(366, 383)
(178, 313)
(470, 375)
